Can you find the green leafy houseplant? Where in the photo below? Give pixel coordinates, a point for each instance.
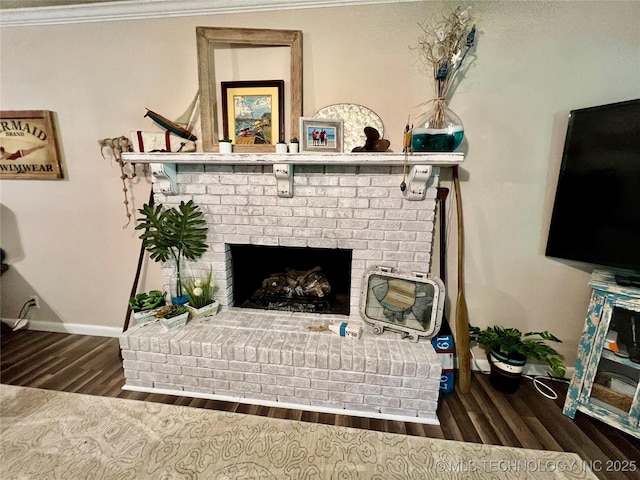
(147, 301)
(512, 343)
(175, 233)
(199, 290)
(294, 140)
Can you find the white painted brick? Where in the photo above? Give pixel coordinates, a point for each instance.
(144, 344)
(244, 366)
(335, 349)
(128, 355)
(356, 398)
(355, 203)
(124, 342)
(400, 392)
(196, 372)
(213, 384)
(310, 355)
(227, 375)
(381, 401)
(182, 360)
(396, 358)
(346, 355)
(174, 341)
(314, 394)
(245, 387)
(322, 351)
(421, 383)
(311, 373)
(183, 380)
(384, 380)
(278, 390)
(409, 360)
(329, 385)
(363, 388)
(277, 370)
(430, 395)
(136, 365)
(299, 382)
(166, 368)
(358, 357)
(353, 377)
(275, 350)
(213, 363)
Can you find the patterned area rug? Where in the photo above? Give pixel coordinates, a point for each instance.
(57, 435)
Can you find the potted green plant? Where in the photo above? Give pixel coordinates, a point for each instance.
(293, 145)
(174, 234)
(144, 305)
(172, 316)
(281, 147)
(200, 292)
(225, 145)
(508, 350)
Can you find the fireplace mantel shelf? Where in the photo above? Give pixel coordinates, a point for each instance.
(163, 165)
(346, 159)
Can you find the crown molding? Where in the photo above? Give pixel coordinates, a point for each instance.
(143, 9)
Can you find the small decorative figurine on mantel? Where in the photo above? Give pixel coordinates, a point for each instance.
(373, 143)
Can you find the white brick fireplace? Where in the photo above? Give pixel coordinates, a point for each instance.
(350, 202)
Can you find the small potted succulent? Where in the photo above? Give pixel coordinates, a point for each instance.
(200, 292)
(293, 145)
(172, 316)
(281, 147)
(508, 350)
(225, 145)
(145, 305)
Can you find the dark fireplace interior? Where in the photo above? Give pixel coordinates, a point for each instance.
(315, 280)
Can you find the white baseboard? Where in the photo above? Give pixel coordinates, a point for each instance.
(293, 406)
(75, 328)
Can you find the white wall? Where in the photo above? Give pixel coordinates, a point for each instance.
(535, 62)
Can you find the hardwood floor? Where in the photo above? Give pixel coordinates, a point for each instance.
(91, 365)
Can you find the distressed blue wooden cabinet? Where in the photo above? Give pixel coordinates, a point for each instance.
(606, 385)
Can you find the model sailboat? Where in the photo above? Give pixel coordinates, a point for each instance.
(178, 135)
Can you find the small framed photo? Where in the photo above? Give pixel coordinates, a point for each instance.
(253, 112)
(28, 145)
(321, 135)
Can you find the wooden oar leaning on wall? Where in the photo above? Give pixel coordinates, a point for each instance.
(462, 315)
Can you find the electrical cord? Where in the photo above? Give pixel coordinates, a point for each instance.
(540, 386)
(22, 319)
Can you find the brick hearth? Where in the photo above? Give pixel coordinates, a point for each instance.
(352, 202)
(271, 358)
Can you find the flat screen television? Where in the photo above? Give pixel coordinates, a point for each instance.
(596, 212)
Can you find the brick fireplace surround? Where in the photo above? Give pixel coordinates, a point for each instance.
(267, 357)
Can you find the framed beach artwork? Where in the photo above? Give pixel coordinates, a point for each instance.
(28, 146)
(211, 38)
(321, 135)
(253, 112)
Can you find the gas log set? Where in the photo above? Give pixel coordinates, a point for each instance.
(293, 290)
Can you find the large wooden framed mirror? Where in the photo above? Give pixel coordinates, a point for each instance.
(207, 40)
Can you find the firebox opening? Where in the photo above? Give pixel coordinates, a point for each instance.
(315, 280)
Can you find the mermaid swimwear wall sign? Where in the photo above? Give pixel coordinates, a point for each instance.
(28, 147)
